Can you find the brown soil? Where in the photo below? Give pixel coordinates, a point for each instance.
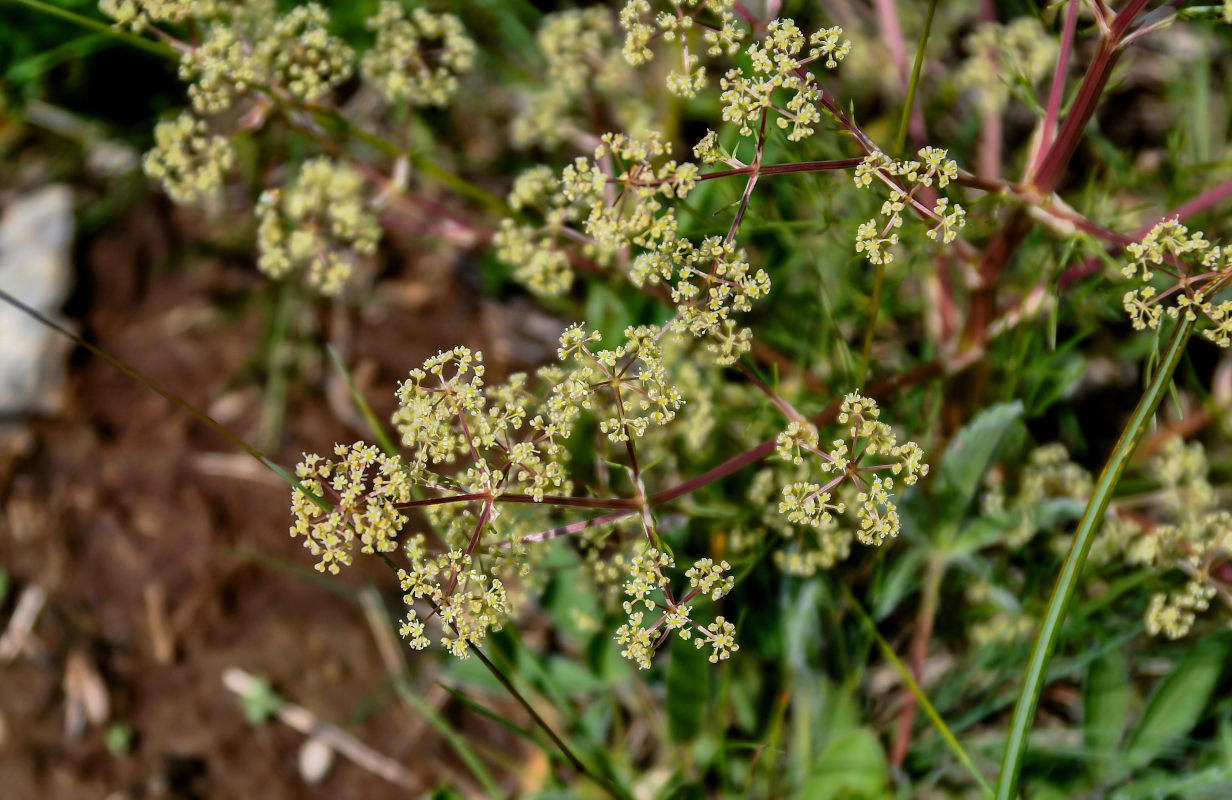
(163, 550)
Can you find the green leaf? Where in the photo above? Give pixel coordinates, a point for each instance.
(571, 678)
(261, 703)
(909, 681)
(1047, 791)
(40, 64)
(483, 710)
(688, 690)
(1214, 783)
(853, 766)
(801, 625)
(967, 458)
(1176, 705)
(361, 404)
(1105, 705)
(452, 735)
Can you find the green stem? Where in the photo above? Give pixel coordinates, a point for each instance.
(140, 42)
(1067, 581)
(901, 140)
(361, 403)
(500, 676)
(422, 162)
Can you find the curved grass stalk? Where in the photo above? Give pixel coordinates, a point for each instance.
(1063, 592)
(361, 403)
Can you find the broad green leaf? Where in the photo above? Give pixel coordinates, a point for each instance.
(852, 767)
(607, 313)
(1223, 740)
(1105, 705)
(595, 720)
(966, 460)
(1048, 791)
(801, 625)
(470, 673)
(742, 697)
(570, 598)
(1176, 705)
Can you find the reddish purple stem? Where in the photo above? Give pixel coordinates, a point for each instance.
(1057, 91)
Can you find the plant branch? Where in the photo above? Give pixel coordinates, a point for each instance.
(1057, 92)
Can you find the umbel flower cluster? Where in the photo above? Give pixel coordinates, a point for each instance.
(845, 463)
(581, 50)
(475, 457)
(247, 61)
(318, 224)
(648, 580)
(615, 201)
(1021, 50)
(1197, 272)
(187, 159)
(616, 207)
(875, 238)
(484, 476)
(1048, 476)
(1185, 535)
(608, 202)
(682, 23)
(779, 64)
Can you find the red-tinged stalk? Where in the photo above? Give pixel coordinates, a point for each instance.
(918, 655)
(1048, 175)
(1056, 94)
(892, 37)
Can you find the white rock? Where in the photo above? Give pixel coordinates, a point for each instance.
(36, 237)
(315, 759)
